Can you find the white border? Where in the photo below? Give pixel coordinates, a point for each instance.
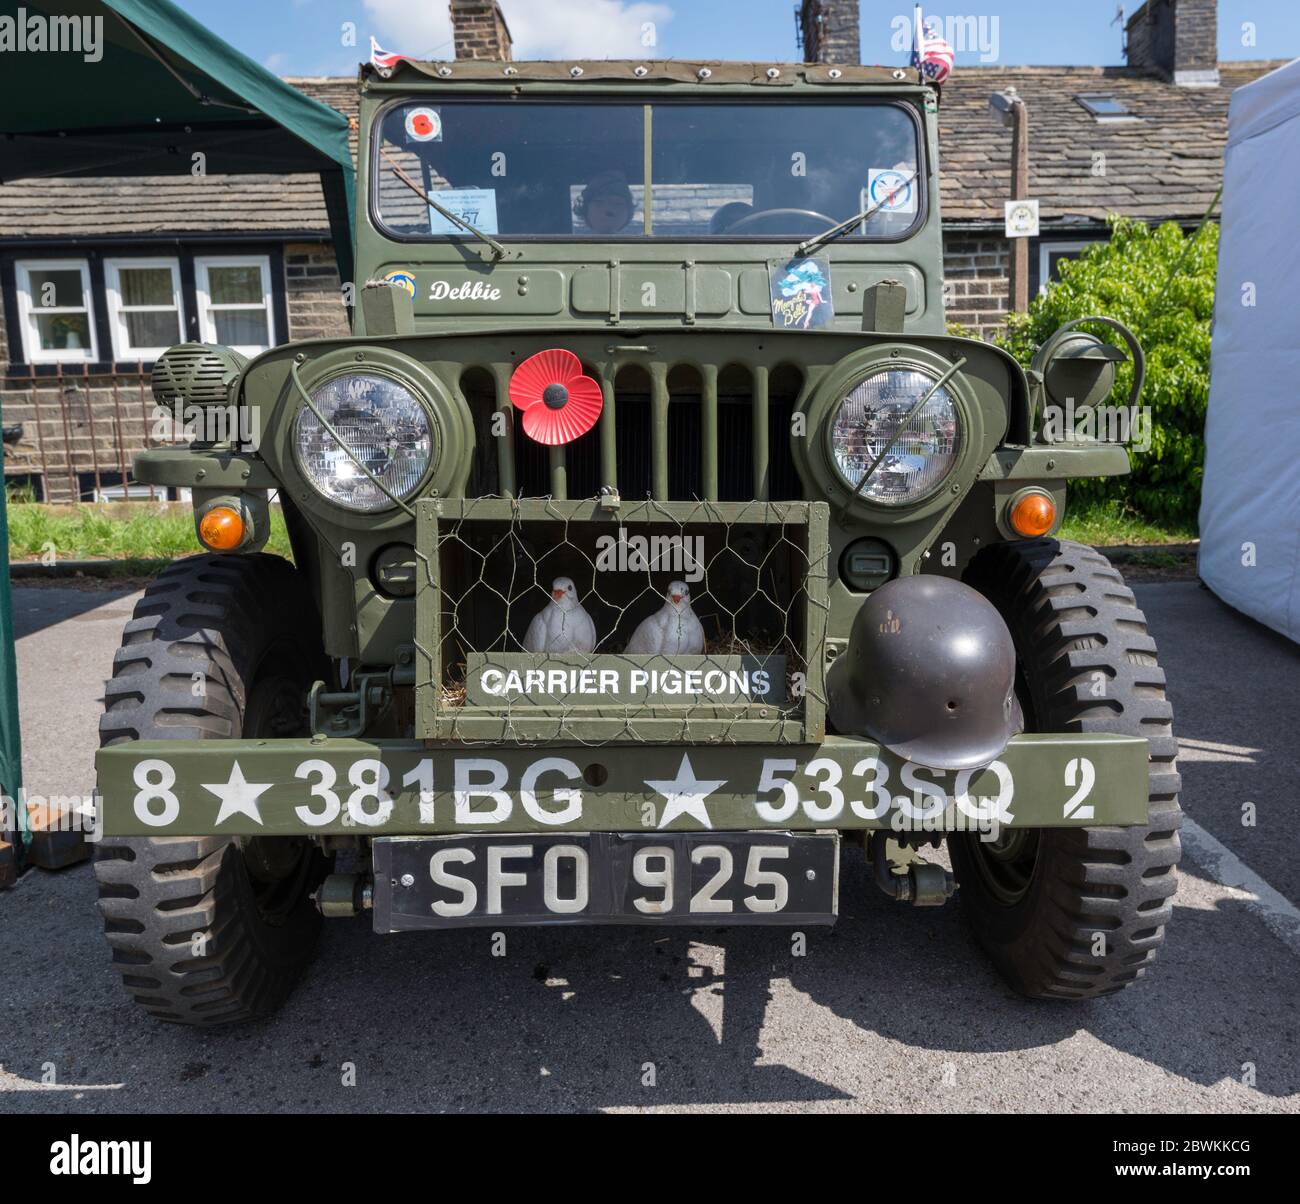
(27, 312)
(122, 349)
(207, 325)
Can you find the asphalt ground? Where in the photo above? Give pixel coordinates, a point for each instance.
(895, 1009)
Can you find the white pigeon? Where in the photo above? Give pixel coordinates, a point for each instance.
(561, 625)
(672, 631)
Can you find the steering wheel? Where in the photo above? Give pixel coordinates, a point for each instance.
(760, 214)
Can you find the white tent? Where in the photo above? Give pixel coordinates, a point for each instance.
(1250, 502)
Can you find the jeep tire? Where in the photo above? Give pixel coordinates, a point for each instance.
(209, 930)
(1073, 913)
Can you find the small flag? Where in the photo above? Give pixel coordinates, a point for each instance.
(383, 60)
(932, 56)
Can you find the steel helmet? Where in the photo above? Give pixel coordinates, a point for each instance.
(929, 673)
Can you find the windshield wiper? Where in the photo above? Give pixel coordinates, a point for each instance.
(811, 244)
(498, 251)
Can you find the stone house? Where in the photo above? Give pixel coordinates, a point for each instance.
(134, 265)
(1144, 140)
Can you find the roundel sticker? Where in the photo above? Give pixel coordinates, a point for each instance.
(400, 279)
(423, 125)
(891, 190)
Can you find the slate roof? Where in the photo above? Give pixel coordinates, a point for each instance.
(1166, 165)
(151, 206)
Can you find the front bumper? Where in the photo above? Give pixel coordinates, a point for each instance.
(319, 786)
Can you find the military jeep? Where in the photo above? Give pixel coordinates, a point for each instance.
(652, 536)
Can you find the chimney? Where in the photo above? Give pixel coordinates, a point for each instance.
(828, 31)
(1178, 38)
(481, 31)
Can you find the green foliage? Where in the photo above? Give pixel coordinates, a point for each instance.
(1110, 522)
(118, 530)
(1160, 284)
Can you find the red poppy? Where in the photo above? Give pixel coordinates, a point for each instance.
(559, 403)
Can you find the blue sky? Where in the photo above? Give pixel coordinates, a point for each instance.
(308, 37)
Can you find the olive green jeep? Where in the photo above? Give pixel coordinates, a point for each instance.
(651, 535)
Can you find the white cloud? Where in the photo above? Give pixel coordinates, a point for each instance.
(420, 28)
(586, 29)
(542, 29)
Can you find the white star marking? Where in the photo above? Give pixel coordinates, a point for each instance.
(237, 795)
(685, 795)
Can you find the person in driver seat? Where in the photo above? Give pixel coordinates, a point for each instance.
(606, 204)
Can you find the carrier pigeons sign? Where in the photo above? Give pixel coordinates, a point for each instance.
(548, 680)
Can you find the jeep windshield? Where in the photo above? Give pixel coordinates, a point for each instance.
(609, 170)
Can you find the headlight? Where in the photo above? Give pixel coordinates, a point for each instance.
(924, 450)
(385, 427)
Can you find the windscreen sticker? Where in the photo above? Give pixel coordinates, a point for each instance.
(801, 293)
(893, 190)
(423, 125)
(478, 206)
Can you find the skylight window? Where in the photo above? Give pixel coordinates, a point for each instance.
(1105, 107)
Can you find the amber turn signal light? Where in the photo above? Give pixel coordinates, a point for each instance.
(1032, 515)
(222, 529)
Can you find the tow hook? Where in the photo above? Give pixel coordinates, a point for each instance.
(905, 876)
(344, 895)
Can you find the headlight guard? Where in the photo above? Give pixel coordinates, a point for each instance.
(875, 419)
(385, 424)
(905, 501)
(451, 428)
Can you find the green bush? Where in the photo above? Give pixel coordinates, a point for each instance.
(1160, 284)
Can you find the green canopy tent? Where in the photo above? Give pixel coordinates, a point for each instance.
(149, 91)
(138, 88)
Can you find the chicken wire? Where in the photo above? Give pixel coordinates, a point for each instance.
(756, 574)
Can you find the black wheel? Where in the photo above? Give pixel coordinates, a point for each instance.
(210, 930)
(1072, 913)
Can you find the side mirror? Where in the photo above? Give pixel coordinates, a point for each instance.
(1078, 369)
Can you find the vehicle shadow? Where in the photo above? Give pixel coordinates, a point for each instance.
(36, 607)
(574, 1019)
(594, 1018)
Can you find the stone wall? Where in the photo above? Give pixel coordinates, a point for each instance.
(81, 429)
(977, 281)
(312, 292)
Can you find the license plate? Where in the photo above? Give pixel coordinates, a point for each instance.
(722, 878)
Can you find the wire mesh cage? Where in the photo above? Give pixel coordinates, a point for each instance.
(603, 620)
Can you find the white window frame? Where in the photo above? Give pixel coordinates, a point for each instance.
(207, 324)
(117, 311)
(1045, 250)
(28, 309)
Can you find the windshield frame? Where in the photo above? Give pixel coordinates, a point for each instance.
(376, 168)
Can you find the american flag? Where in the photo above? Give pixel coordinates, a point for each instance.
(931, 54)
(383, 59)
